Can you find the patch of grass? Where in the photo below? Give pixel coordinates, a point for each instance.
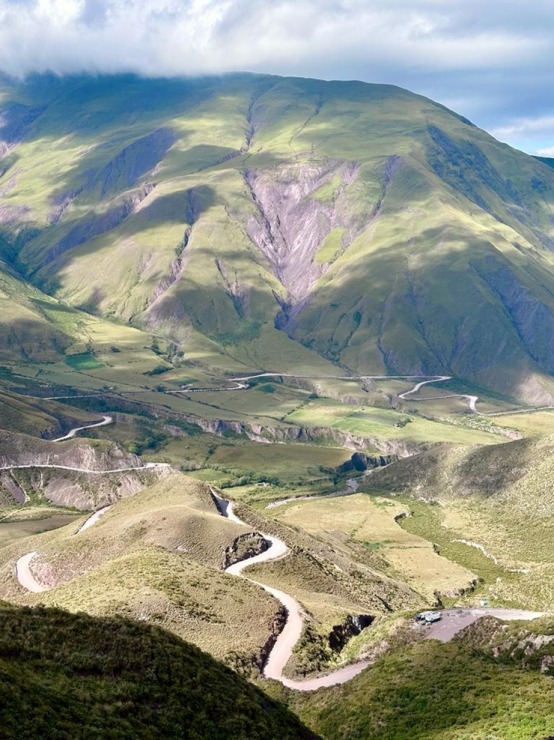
(83, 361)
(408, 554)
(14, 530)
(379, 423)
(113, 677)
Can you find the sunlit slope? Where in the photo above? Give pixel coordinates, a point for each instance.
(369, 224)
(37, 329)
(495, 501)
(156, 556)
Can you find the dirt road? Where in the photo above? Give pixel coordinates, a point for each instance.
(454, 620)
(287, 639)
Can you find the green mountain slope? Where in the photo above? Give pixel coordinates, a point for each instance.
(66, 675)
(264, 217)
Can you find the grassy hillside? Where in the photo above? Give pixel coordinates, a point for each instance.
(495, 514)
(156, 556)
(38, 417)
(373, 524)
(232, 214)
(455, 691)
(69, 676)
(159, 555)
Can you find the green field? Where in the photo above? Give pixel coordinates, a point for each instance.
(84, 361)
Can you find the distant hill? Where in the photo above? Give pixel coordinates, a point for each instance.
(494, 501)
(275, 220)
(75, 676)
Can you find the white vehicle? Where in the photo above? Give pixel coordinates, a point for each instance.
(428, 617)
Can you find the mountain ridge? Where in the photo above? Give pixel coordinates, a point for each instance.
(246, 214)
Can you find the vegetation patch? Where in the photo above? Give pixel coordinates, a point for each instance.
(69, 676)
(82, 362)
(432, 690)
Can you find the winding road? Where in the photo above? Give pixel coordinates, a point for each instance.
(24, 575)
(453, 620)
(287, 639)
(242, 383)
(73, 432)
(70, 435)
(23, 564)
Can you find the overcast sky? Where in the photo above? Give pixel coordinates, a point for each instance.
(490, 60)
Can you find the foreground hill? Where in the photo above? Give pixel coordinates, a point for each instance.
(494, 680)
(277, 221)
(74, 676)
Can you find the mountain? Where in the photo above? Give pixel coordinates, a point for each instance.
(65, 675)
(277, 222)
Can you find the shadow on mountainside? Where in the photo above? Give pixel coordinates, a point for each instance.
(31, 341)
(431, 309)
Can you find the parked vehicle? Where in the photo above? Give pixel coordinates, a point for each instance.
(428, 617)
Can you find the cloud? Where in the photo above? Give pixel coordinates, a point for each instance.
(546, 152)
(489, 57)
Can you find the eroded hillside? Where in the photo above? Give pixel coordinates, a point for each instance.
(372, 226)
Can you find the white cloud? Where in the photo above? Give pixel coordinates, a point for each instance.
(488, 54)
(161, 37)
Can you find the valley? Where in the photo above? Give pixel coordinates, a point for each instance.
(275, 377)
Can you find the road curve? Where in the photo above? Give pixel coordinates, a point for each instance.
(72, 433)
(287, 639)
(242, 384)
(105, 421)
(472, 400)
(24, 575)
(23, 564)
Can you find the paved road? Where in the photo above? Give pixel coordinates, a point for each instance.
(24, 575)
(105, 421)
(146, 466)
(22, 566)
(93, 518)
(242, 383)
(72, 433)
